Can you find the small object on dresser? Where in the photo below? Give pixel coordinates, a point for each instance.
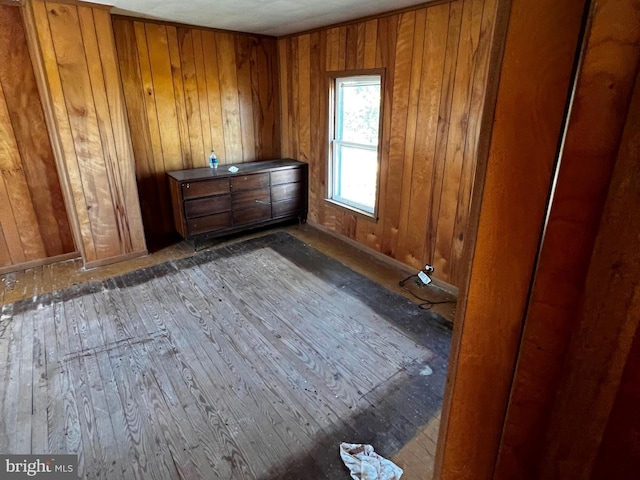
(213, 159)
(233, 169)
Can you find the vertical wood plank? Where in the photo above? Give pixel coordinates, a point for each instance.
(270, 94)
(18, 216)
(165, 98)
(217, 125)
(361, 42)
(85, 134)
(67, 163)
(227, 68)
(105, 127)
(401, 91)
(191, 96)
(410, 136)
(370, 43)
(259, 66)
(127, 206)
(444, 121)
(243, 47)
(477, 98)
(155, 167)
(203, 94)
(317, 91)
(457, 137)
(5, 255)
(304, 98)
(433, 61)
(139, 123)
(283, 47)
(351, 49)
(179, 94)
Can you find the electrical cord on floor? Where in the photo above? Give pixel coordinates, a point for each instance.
(427, 304)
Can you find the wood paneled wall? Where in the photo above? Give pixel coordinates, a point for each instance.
(544, 362)
(189, 90)
(602, 96)
(33, 219)
(436, 62)
(84, 106)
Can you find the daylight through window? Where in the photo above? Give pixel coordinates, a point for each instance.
(356, 131)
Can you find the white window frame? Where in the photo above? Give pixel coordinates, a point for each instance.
(336, 78)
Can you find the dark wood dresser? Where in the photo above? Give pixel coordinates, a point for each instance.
(208, 202)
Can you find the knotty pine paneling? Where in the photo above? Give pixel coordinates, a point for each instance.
(86, 111)
(189, 90)
(436, 62)
(33, 219)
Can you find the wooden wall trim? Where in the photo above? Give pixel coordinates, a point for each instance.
(39, 263)
(447, 287)
(112, 260)
(534, 77)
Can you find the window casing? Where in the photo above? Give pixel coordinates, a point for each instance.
(354, 133)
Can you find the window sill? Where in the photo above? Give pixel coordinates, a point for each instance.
(371, 217)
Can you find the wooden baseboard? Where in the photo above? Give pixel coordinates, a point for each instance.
(38, 263)
(447, 287)
(109, 261)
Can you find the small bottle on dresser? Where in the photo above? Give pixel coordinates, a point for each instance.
(213, 159)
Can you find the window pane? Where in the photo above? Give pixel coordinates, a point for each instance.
(355, 176)
(358, 111)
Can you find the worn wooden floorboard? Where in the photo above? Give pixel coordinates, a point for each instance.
(250, 361)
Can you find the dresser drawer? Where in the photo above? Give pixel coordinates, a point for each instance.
(250, 198)
(205, 188)
(253, 214)
(207, 206)
(287, 207)
(249, 182)
(288, 175)
(208, 223)
(286, 191)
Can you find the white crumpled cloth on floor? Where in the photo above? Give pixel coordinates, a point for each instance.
(365, 464)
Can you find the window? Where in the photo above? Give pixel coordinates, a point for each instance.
(355, 137)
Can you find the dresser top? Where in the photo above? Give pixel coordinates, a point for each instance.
(223, 170)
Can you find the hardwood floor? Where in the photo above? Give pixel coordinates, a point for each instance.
(194, 369)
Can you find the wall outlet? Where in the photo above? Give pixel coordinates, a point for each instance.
(424, 278)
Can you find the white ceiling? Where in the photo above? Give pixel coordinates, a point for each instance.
(268, 17)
